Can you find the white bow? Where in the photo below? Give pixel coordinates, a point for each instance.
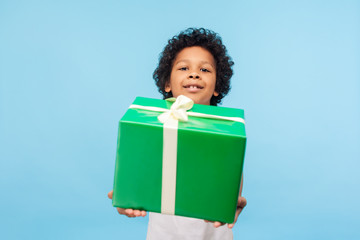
(178, 110)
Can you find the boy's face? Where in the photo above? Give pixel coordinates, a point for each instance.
(194, 75)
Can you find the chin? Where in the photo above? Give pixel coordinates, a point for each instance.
(200, 101)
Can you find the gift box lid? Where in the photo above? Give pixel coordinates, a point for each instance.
(224, 127)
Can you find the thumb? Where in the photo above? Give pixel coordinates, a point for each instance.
(110, 194)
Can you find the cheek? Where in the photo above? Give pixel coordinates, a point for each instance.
(175, 81)
(214, 81)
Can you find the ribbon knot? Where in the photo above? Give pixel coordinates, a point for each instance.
(178, 109)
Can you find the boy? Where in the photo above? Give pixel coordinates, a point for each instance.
(195, 64)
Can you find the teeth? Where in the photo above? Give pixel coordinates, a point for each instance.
(193, 86)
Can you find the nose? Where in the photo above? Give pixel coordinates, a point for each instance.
(194, 75)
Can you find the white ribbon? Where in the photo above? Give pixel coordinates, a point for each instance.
(170, 118)
(169, 165)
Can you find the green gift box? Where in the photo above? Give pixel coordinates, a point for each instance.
(202, 177)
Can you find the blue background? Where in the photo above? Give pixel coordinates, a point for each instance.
(69, 70)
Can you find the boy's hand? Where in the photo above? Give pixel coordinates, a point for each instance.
(240, 206)
(128, 211)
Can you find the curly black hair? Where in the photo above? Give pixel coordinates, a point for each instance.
(206, 39)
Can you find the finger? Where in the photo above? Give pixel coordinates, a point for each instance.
(143, 213)
(129, 212)
(137, 213)
(110, 194)
(218, 224)
(206, 221)
(242, 202)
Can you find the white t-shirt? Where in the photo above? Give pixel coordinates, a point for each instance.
(169, 227)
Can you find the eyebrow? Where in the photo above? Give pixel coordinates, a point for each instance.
(202, 62)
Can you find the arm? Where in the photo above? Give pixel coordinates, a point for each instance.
(128, 212)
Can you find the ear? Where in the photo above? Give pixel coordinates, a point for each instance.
(167, 87)
(216, 93)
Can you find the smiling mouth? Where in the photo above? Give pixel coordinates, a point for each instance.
(193, 86)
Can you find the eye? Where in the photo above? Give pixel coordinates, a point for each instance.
(204, 70)
(183, 68)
